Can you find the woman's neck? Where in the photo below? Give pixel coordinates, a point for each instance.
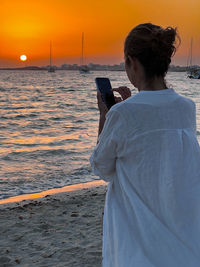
(157, 83)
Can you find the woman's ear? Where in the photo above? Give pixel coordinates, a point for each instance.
(133, 62)
(129, 58)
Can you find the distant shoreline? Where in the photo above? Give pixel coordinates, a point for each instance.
(25, 68)
(173, 69)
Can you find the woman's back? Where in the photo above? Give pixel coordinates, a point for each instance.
(163, 109)
(151, 210)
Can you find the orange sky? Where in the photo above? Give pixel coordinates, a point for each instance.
(27, 26)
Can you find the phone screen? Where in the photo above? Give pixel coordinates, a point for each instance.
(104, 86)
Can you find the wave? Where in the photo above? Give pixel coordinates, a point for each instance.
(20, 116)
(84, 170)
(20, 107)
(38, 153)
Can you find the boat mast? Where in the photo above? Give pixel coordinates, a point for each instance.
(50, 54)
(82, 48)
(189, 59)
(191, 44)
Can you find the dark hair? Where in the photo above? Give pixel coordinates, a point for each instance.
(153, 46)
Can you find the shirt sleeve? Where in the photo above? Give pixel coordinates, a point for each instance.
(195, 123)
(104, 156)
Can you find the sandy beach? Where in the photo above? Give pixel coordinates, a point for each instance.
(58, 230)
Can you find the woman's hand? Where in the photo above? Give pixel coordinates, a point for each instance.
(103, 110)
(101, 105)
(124, 91)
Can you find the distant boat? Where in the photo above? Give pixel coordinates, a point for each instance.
(83, 68)
(193, 71)
(51, 68)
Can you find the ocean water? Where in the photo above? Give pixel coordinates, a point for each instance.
(49, 123)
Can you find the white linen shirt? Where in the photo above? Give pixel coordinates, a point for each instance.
(149, 154)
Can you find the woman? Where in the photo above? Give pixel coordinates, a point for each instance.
(149, 154)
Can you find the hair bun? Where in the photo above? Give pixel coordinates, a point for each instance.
(170, 34)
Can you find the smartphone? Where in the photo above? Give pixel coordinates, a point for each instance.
(104, 87)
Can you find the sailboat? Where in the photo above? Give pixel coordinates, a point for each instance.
(83, 68)
(193, 72)
(51, 68)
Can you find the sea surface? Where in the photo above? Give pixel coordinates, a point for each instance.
(49, 122)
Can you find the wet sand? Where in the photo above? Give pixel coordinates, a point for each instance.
(64, 229)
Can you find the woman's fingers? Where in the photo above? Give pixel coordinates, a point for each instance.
(124, 91)
(121, 89)
(118, 99)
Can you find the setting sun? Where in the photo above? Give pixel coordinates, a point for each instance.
(23, 57)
